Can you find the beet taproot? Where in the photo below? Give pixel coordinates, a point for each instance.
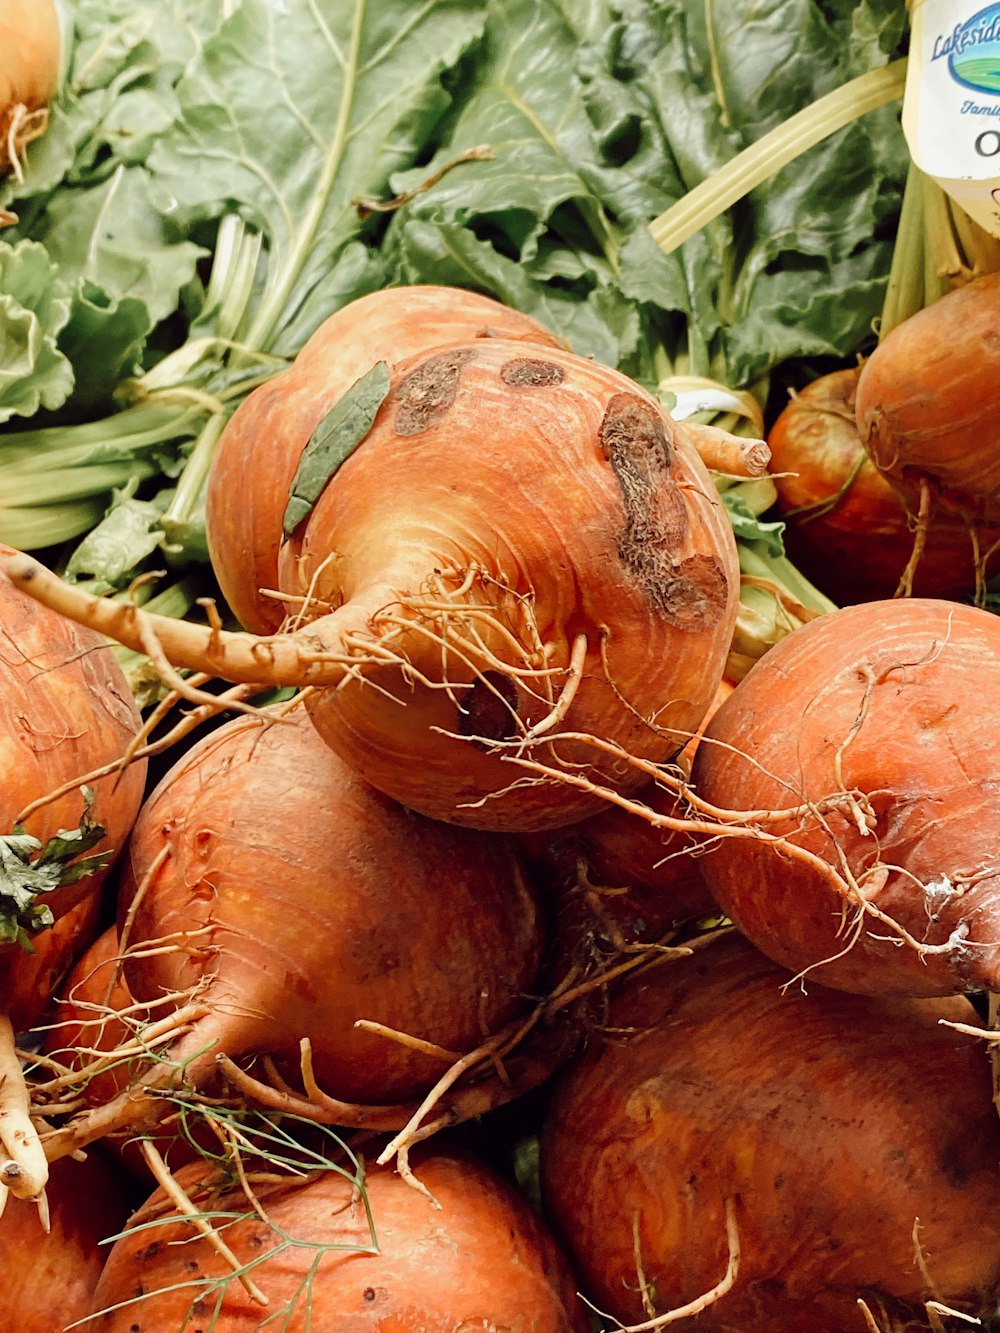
(31, 42)
(299, 901)
(49, 1278)
(926, 402)
(65, 712)
(847, 528)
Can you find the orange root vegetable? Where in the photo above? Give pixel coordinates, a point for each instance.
(847, 528)
(926, 402)
(269, 430)
(29, 74)
(635, 883)
(49, 1278)
(733, 455)
(98, 1033)
(285, 899)
(28, 981)
(522, 544)
(474, 1257)
(65, 709)
(895, 705)
(763, 1157)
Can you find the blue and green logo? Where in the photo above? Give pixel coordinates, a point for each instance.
(973, 51)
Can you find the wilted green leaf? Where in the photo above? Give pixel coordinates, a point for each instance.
(128, 533)
(335, 439)
(29, 870)
(34, 306)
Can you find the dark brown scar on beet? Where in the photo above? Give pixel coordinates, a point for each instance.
(528, 373)
(693, 593)
(489, 710)
(427, 393)
(633, 435)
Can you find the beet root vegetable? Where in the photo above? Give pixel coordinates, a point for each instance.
(477, 1259)
(93, 1030)
(763, 1158)
(300, 902)
(28, 981)
(847, 528)
(65, 710)
(895, 706)
(49, 1278)
(85, 1022)
(523, 545)
(926, 402)
(269, 430)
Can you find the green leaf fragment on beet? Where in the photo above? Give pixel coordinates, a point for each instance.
(29, 869)
(334, 439)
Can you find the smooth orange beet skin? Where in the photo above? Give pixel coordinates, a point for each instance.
(900, 702)
(847, 527)
(321, 902)
(927, 400)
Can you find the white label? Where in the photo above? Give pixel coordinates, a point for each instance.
(951, 108)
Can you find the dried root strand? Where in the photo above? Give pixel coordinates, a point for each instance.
(921, 528)
(567, 694)
(22, 127)
(141, 747)
(182, 1202)
(464, 1090)
(234, 655)
(702, 1302)
(25, 1172)
(312, 1104)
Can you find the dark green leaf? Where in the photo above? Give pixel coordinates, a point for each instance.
(103, 341)
(334, 439)
(28, 870)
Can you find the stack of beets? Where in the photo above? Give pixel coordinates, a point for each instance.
(502, 827)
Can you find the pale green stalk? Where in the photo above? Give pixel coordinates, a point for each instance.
(775, 150)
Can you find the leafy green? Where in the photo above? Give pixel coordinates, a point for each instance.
(334, 439)
(34, 307)
(616, 114)
(125, 56)
(128, 533)
(748, 524)
(113, 236)
(356, 88)
(540, 200)
(29, 870)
